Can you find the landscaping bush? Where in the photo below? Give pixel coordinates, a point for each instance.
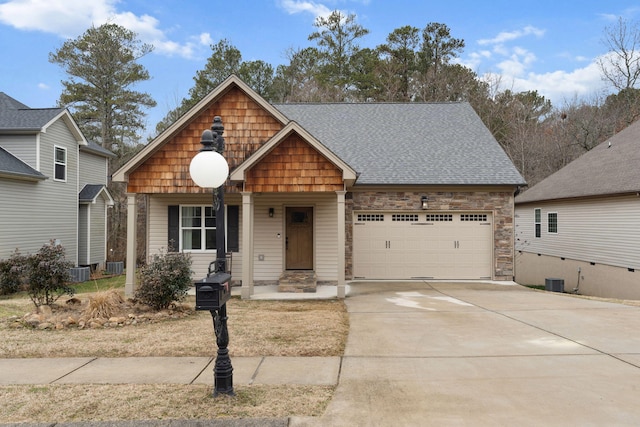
(12, 273)
(47, 275)
(165, 279)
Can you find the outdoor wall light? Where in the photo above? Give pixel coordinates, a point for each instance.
(270, 212)
(423, 202)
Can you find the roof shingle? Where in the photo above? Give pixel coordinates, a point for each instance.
(409, 143)
(610, 168)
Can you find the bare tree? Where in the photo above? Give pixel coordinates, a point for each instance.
(621, 66)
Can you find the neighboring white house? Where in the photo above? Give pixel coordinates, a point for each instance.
(341, 191)
(52, 184)
(582, 224)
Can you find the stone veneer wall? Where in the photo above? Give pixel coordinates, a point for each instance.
(500, 203)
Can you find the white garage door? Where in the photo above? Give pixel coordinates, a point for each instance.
(422, 245)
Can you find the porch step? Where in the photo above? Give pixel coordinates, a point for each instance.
(297, 281)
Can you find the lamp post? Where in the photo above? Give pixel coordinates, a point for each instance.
(209, 169)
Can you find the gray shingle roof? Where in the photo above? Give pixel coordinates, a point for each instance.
(97, 149)
(409, 143)
(15, 116)
(89, 192)
(12, 166)
(605, 170)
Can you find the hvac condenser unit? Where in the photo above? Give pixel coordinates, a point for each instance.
(554, 285)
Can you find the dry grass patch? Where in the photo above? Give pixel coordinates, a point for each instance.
(68, 403)
(256, 328)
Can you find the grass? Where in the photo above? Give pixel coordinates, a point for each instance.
(256, 328)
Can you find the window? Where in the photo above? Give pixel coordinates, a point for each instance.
(60, 164)
(552, 222)
(439, 217)
(370, 217)
(538, 221)
(404, 217)
(198, 228)
(473, 217)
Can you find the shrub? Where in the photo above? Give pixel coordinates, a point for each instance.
(47, 275)
(165, 279)
(12, 273)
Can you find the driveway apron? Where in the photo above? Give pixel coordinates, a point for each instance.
(485, 354)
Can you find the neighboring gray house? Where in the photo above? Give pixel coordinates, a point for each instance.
(341, 191)
(582, 224)
(52, 184)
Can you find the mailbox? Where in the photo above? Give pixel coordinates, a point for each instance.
(213, 291)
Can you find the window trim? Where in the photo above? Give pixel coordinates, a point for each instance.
(537, 223)
(56, 163)
(203, 235)
(202, 228)
(549, 222)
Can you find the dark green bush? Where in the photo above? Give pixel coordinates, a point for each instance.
(48, 275)
(165, 279)
(45, 276)
(12, 273)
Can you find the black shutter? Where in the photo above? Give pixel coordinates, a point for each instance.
(174, 229)
(233, 228)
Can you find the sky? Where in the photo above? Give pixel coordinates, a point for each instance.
(546, 45)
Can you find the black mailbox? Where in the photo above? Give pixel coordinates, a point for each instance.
(213, 291)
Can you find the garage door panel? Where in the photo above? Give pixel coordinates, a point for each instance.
(439, 246)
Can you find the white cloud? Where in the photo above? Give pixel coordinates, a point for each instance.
(205, 39)
(43, 86)
(296, 6)
(557, 86)
(70, 18)
(506, 36)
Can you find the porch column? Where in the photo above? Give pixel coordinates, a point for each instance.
(132, 232)
(247, 245)
(341, 244)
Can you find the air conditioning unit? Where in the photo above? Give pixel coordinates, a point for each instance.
(80, 274)
(554, 285)
(116, 267)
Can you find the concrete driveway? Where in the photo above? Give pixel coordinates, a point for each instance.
(485, 354)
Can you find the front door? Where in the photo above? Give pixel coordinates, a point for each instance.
(299, 238)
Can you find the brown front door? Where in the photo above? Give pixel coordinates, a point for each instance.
(299, 238)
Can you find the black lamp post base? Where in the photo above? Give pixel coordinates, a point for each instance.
(223, 374)
(222, 371)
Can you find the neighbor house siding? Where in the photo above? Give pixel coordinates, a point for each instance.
(44, 210)
(61, 198)
(599, 230)
(23, 147)
(97, 243)
(83, 235)
(93, 169)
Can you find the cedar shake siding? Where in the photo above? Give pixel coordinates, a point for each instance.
(246, 127)
(294, 167)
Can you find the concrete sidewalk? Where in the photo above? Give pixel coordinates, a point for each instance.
(169, 370)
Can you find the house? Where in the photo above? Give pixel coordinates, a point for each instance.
(582, 224)
(52, 184)
(345, 191)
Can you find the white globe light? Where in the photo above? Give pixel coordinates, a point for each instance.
(209, 169)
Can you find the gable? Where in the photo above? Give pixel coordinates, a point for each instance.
(247, 126)
(293, 166)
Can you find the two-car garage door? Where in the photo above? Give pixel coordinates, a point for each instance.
(422, 245)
